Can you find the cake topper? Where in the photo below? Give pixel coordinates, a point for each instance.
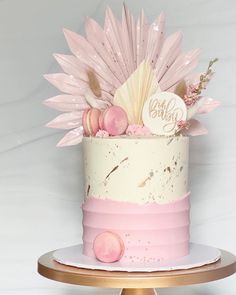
(162, 112)
(123, 64)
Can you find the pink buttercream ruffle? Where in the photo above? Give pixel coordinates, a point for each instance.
(102, 133)
(138, 130)
(150, 232)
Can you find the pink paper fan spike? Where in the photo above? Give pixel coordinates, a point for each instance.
(182, 66)
(127, 39)
(67, 103)
(123, 42)
(124, 52)
(93, 31)
(87, 54)
(96, 37)
(169, 52)
(139, 40)
(155, 39)
(129, 21)
(71, 65)
(133, 39)
(114, 36)
(111, 33)
(195, 128)
(208, 106)
(66, 121)
(142, 35)
(67, 84)
(73, 137)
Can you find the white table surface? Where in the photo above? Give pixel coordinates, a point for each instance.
(41, 185)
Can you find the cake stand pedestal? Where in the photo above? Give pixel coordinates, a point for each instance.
(136, 283)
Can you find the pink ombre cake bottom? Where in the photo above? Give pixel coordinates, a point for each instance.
(150, 232)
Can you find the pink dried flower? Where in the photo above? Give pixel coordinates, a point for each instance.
(182, 125)
(193, 91)
(191, 96)
(191, 127)
(138, 130)
(102, 133)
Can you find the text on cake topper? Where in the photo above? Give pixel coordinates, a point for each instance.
(162, 112)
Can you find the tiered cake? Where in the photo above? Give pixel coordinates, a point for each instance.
(130, 95)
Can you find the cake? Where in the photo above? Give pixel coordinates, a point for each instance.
(137, 188)
(130, 95)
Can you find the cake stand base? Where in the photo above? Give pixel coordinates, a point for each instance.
(198, 255)
(138, 292)
(136, 283)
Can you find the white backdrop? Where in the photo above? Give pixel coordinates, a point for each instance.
(41, 185)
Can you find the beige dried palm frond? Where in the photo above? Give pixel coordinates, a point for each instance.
(132, 95)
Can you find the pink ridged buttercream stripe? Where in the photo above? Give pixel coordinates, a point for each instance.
(143, 221)
(154, 253)
(106, 205)
(149, 231)
(162, 237)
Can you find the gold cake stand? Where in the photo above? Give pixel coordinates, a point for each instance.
(136, 283)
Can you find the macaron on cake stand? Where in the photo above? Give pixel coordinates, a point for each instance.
(129, 80)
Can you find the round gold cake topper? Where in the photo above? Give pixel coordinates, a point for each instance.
(162, 112)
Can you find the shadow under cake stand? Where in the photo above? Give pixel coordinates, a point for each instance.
(136, 283)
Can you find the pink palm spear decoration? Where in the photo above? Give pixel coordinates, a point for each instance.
(113, 53)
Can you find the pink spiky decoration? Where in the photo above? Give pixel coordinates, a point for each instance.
(113, 53)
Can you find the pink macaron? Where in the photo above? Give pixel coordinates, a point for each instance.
(114, 120)
(108, 247)
(90, 121)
